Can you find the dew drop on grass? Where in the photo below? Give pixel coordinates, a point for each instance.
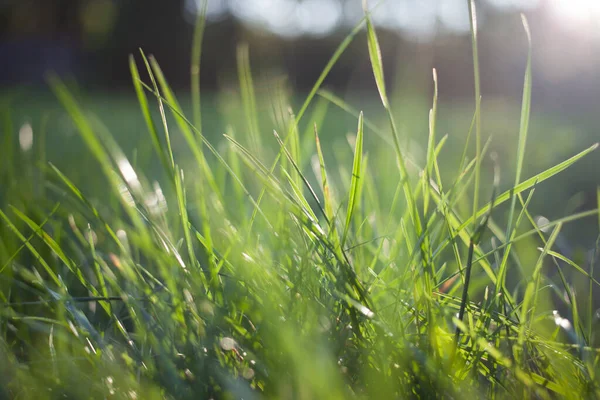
(227, 343)
(26, 137)
(542, 223)
(248, 373)
(560, 321)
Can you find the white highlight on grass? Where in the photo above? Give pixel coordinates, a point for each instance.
(26, 137)
(366, 312)
(247, 257)
(122, 236)
(542, 223)
(128, 173)
(560, 321)
(155, 201)
(227, 343)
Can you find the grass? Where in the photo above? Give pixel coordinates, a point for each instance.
(266, 267)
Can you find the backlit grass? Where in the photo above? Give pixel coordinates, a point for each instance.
(264, 265)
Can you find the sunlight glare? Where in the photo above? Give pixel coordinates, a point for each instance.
(576, 12)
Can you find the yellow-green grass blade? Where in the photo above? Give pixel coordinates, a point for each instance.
(92, 139)
(329, 66)
(523, 131)
(32, 250)
(477, 82)
(195, 65)
(97, 270)
(529, 303)
(339, 102)
(188, 130)
(248, 97)
(161, 109)
(523, 186)
(304, 180)
(332, 61)
(22, 246)
(81, 122)
(51, 243)
(354, 182)
(307, 138)
(377, 68)
(143, 101)
(431, 160)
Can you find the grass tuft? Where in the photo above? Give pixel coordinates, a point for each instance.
(236, 273)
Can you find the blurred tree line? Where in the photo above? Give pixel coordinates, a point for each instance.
(91, 40)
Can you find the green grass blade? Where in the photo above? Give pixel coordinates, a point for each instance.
(431, 159)
(523, 127)
(356, 176)
(189, 131)
(529, 183)
(477, 80)
(377, 68)
(183, 214)
(143, 101)
(51, 274)
(83, 125)
(301, 175)
(332, 61)
(523, 131)
(248, 97)
(195, 65)
(332, 98)
(328, 198)
(529, 303)
(163, 117)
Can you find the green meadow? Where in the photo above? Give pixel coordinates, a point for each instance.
(260, 243)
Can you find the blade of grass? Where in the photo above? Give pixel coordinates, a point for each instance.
(143, 101)
(301, 175)
(377, 68)
(356, 176)
(33, 250)
(163, 117)
(525, 185)
(523, 131)
(195, 65)
(188, 129)
(531, 295)
(427, 176)
(477, 81)
(248, 97)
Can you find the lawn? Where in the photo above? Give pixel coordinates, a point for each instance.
(285, 245)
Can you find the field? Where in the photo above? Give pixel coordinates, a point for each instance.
(270, 244)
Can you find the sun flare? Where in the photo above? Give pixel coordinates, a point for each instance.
(577, 13)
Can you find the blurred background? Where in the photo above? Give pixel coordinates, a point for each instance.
(88, 42)
(91, 39)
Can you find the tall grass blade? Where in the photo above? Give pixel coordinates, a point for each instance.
(195, 65)
(143, 101)
(163, 117)
(377, 68)
(356, 177)
(477, 80)
(529, 183)
(248, 97)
